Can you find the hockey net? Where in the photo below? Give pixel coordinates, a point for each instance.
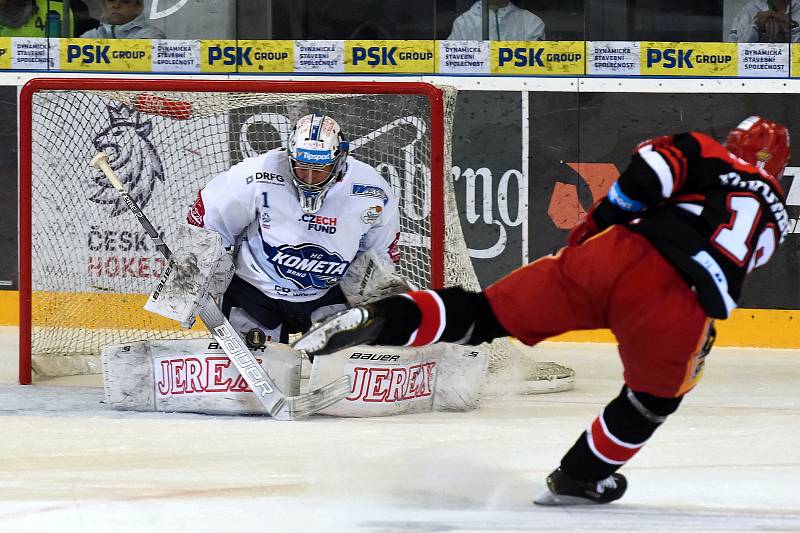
(86, 265)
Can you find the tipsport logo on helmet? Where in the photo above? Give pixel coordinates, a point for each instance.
(308, 266)
(316, 157)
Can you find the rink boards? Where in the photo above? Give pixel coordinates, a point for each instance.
(766, 328)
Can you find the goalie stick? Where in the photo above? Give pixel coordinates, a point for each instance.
(277, 404)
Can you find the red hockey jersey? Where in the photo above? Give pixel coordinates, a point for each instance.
(712, 215)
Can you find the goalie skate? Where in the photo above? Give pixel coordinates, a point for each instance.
(355, 326)
(544, 377)
(565, 490)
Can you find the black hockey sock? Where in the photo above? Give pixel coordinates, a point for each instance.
(470, 319)
(458, 316)
(402, 318)
(617, 434)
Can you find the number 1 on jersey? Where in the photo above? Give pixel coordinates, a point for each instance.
(735, 238)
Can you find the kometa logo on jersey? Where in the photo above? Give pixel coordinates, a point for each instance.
(307, 265)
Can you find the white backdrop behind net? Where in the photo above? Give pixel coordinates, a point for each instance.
(91, 262)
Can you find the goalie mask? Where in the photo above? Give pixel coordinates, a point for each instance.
(762, 143)
(317, 154)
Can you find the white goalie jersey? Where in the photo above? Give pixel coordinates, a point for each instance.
(288, 254)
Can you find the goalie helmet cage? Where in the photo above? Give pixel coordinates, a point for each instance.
(85, 266)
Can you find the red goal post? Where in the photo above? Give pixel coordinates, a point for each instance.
(59, 128)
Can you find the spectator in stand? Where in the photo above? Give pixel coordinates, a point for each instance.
(767, 21)
(123, 19)
(27, 18)
(507, 22)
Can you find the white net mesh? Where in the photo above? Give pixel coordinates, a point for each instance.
(92, 265)
(507, 361)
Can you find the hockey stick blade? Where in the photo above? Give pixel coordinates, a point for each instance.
(277, 404)
(307, 404)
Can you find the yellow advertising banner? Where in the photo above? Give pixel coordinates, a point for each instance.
(539, 58)
(5, 53)
(390, 57)
(268, 56)
(131, 55)
(795, 66)
(688, 59)
(219, 56)
(567, 58)
(247, 56)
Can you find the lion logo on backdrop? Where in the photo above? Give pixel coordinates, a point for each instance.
(131, 154)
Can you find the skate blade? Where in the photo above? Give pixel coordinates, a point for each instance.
(546, 377)
(549, 498)
(315, 340)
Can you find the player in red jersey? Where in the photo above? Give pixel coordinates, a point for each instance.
(656, 260)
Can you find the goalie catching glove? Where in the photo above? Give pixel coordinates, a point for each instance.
(371, 277)
(199, 265)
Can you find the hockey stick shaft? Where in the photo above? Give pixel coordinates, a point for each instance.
(243, 360)
(277, 404)
(101, 161)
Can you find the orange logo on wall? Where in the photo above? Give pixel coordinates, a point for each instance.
(565, 207)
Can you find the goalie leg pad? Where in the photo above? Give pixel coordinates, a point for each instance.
(192, 376)
(390, 380)
(199, 265)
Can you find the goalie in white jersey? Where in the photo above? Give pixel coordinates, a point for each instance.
(313, 230)
(299, 217)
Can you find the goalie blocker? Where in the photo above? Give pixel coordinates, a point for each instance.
(199, 265)
(196, 376)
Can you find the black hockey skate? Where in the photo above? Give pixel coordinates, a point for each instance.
(565, 490)
(355, 326)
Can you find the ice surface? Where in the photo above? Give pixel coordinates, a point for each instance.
(727, 461)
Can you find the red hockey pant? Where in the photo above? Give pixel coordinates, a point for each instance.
(615, 280)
